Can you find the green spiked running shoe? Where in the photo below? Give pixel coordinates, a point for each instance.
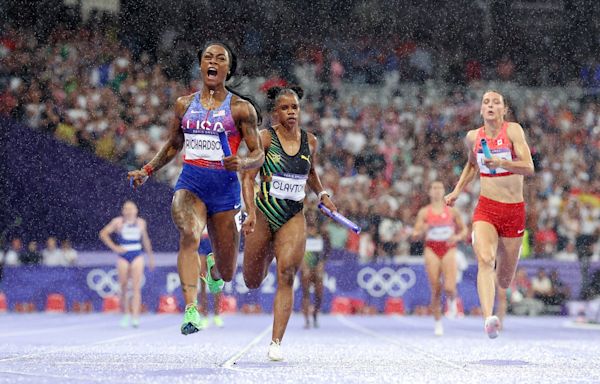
(203, 322)
(214, 286)
(218, 321)
(191, 320)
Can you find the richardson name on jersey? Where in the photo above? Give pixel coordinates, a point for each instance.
(202, 144)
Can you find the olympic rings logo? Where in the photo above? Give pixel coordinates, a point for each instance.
(386, 281)
(106, 283)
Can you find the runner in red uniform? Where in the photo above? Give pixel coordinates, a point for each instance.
(499, 218)
(442, 227)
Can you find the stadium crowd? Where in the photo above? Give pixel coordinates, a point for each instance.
(378, 153)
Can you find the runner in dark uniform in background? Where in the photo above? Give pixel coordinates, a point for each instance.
(313, 267)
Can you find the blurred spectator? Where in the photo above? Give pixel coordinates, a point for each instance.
(273, 80)
(52, 256)
(32, 256)
(560, 291)
(594, 287)
(366, 247)
(13, 254)
(338, 235)
(520, 296)
(542, 286)
(545, 241)
(587, 236)
(505, 69)
(69, 254)
(567, 254)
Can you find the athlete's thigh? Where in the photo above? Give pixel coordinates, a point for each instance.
(433, 266)
(289, 243)
(485, 241)
(305, 277)
(319, 272)
(257, 249)
(122, 270)
(225, 240)
(223, 232)
(137, 271)
(509, 251)
(188, 212)
(449, 269)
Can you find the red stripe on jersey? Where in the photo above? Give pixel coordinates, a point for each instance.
(496, 174)
(204, 163)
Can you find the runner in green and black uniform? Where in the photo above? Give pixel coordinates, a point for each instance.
(278, 228)
(313, 267)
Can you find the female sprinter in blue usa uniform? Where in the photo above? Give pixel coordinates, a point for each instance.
(278, 227)
(208, 191)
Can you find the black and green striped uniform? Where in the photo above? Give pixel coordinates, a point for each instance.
(283, 178)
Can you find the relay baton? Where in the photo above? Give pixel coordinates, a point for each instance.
(131, 182)
(487, 153)
(341, 219)
(224, 143)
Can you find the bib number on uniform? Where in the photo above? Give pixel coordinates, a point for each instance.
(288, 187)
(505, 155)
(203, 146)
(440, 233)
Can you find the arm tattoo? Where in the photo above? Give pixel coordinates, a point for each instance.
(165, 155)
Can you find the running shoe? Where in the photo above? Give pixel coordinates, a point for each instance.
(191, 320)
(438, 329)
(124, 323)
(492, 326)
(214, 286)
(452, 311)
(218, 321)
(135, 323)
(203, 323)
(275, 351)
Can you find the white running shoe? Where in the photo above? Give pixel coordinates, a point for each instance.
(452, 311)
(492, 326)
(438, 329)
(125, 321)
(275, 351)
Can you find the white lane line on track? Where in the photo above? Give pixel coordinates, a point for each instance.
(587, 326)
(85, 379)
(85, 345)
(45, 329)
(393, 341)
(228, 364)
(90, 321)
